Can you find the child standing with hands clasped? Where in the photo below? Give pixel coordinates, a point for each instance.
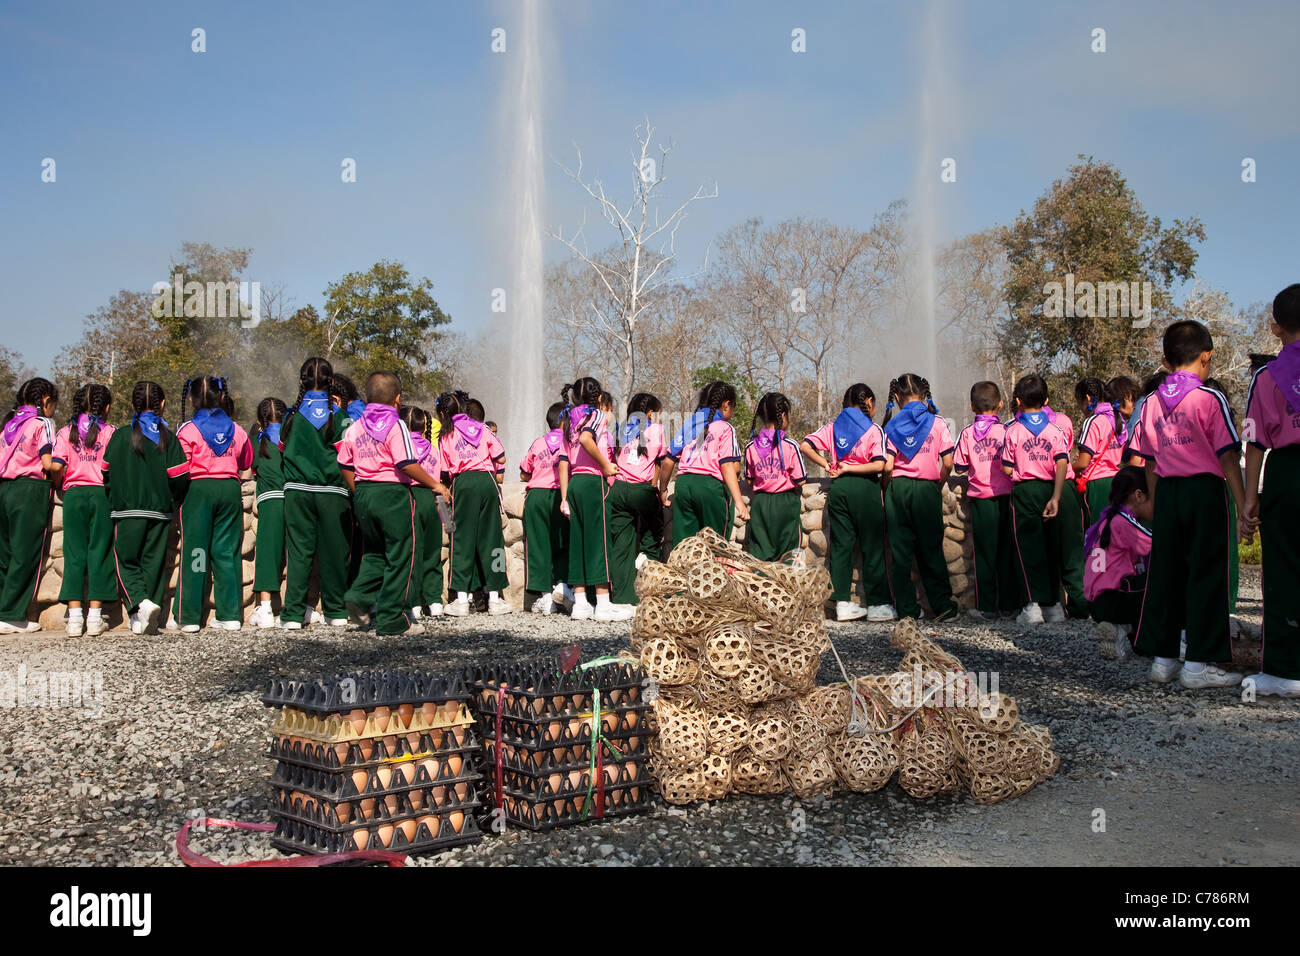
(852, 450)
(918, 459)
(636, 515)
(546, 530)
(1034, 456)
(775, 471)
(87, 528)
(1273, 424)
(26, 500)
(978, 458)
(1190, 447)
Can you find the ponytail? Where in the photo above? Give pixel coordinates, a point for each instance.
(92, 400)
(584, 391)
(315, 375)
(148, 397)
(269, 411)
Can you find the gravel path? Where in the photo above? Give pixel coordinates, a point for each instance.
(1177, 777)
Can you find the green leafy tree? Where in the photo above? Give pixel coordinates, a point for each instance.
(1090, 225)
(382, 319)
(747, 393)
(13, 372)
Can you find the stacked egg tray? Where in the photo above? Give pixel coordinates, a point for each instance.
(370, 761)
(540, 743)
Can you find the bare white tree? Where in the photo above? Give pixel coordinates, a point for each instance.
(632, 277)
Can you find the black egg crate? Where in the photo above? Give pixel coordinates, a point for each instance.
(529, 813)
(618, 724)
(527, 760)
(364, 690)
(408, 775)
(311, 808)
(433, 832)
(559, 783)
(539, 691)
(372, 751)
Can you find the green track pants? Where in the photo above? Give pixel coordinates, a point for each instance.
(87, 546)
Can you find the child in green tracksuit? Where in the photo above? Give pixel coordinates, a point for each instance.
(636, 512)
(776, 474)
(378, 460)
(268, 466)
(426, 592)
(26, 500)
(546, 530)
(317, 507)
(146, 475)
(212, 517)
(87, 528)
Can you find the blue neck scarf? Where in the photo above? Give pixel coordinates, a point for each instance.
(149, 422)
(1034, 421)
(316, 408)
(695, 427)
(632, 430)
(216, 428)
(847, 430)
(271, 433)
(356, 409)
(909, 429)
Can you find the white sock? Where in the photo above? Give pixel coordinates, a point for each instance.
(1167, 660)
(266, 604)
(1194, 666)
(462, 597)
(602, 600)
(93, 614)
(74, 614)
(494, 596)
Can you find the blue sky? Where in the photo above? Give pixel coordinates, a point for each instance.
(242, 145)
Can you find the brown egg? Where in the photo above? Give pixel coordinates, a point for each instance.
(429, 710)
(367, 808)
(633, 718)
(461, 791)
(454, 763)
(432, 823)
(381, 714)
(457, 820)
(385, 775)
(367, 747)
(576, 778)
(358, 719)
(555, 781)
(554, 729)
(385, 834)
(409, 828)
(392, 802)
(390, 745)
(407, 770)
(611, 774)
(361, 836)
(343, 811)
(359, 778)
(341, 751)
(404, 714)
(430, 766)
(450, 710)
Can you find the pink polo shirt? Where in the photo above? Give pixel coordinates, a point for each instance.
(541, 464)
(1188, 440)
(1130, 543)
(1063, 422)
(458, 456)
(372, 460)
(927, 463)
(768, 474)
(637, 467)
(580, 462)
(23, 458)
(1270, 421)
(1100, 440)
(870, 447)
(718, 447)
(981, 460)
(1033, 457)
(83, 464)
(205, 463)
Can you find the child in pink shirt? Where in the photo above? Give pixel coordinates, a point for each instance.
(1272, 424)
(636, 512)
(546, 530)
(1115, 571)
(1035, 454)
(918, 459)
(706, 457)
(1100, 446)
(978, 458)
(1190, 446)
(776, 473)
(852, 449)
(87, 526)
(378, 460)
(26, 500)
(212, 515)
(426, 589)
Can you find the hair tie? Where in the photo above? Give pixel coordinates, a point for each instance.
(1092, 405)
(890, 405)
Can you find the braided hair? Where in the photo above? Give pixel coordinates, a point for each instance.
(1089, 392)
(316, 375)
(148, 397)
(205, 391)
(34, 391)
(92, 400)
(1122, 389)
(1126, 481)
(269, 411)
(417, 420)
(344, 389)
(448, 406)
(642, 404)
(907, 385)
(859, 396)
(584, 391)
(712, 396)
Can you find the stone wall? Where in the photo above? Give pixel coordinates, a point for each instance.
(956, 547)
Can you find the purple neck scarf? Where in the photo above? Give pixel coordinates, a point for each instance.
(576, 415)
(14, 425)
(421, 445)
(378, 420)
(768, 440)
(83, 424)
(468, 429)
(1285, 370)
(1177, 387)
(983, 425)
(1107, 410)
(554, 439)
(1093, 534)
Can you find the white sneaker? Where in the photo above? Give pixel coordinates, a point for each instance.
(337, 622)
(582, 611)
(292, 625)
(132, 620)
(94, 625)
(189, 629)
(416, 613)
(262, 617)
(76, 626)
(1196, 676)
(171, 624)
(19, 627)
(148, 616)
(881, 612)
(978, 615)
(1032, 614)
(614, 612)
(1113, 641)
(849, 611)
(543, 605)
(435, 610)
(1054, 614)
(1268, 685)
(499, 605)
(562, 595)
(456, 608)
(229, 625)
(641, 560)
(1164, 669)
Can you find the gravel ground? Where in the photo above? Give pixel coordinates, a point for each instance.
(1176, 777)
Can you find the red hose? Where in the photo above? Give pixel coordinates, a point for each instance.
(190, 858)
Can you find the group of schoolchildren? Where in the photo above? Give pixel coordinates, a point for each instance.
(1148, 498)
